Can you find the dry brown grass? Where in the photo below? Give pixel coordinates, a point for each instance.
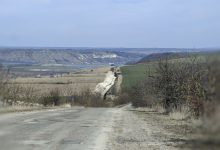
(19, 109)
(159, 108)
(75, 78)
(77, 82)
(180, 114)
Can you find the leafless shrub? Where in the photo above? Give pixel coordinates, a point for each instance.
(123, 98)
(69, 90)
(211, 117)
(159, 108)
(87, 98)
(52, 99)
(3, 82)
(16, 95)
(213, 87)
(29, 94)
(180, 83)
(13, 93)
(137, 94)
(173, 84)
(181, 113)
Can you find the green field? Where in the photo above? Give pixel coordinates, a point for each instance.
(135, 73)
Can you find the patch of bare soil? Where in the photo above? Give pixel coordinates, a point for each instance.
(147, 129)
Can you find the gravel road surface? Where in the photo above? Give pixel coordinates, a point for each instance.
(80, 128)
(75, 128)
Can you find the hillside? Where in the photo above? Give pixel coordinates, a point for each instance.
(65, 56)
(158, 56)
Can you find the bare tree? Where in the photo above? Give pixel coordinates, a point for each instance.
(3, 82)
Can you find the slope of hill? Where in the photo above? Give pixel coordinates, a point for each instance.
(158, 56)
(65, 56)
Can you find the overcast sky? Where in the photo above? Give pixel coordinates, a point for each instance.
(110, 23)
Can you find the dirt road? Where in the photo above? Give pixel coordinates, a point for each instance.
(81, 128)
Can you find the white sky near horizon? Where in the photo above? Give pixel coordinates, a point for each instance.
(110, 23)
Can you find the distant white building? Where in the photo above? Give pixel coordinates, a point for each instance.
(111, 64)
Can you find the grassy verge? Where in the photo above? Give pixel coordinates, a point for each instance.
(134, 74)
(18, 109)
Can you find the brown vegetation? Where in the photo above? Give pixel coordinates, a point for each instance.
(177, 84)
(32, 91)
(123, 98)
(3, 83)
(76, 81)
(184, 90)
(90, 99)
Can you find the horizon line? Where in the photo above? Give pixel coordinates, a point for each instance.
(85, 47)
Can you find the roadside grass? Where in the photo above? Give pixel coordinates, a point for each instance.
(133, 74)
(19, 109)
(180, 114)
(159, 108)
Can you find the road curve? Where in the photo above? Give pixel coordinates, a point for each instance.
(75, 128)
